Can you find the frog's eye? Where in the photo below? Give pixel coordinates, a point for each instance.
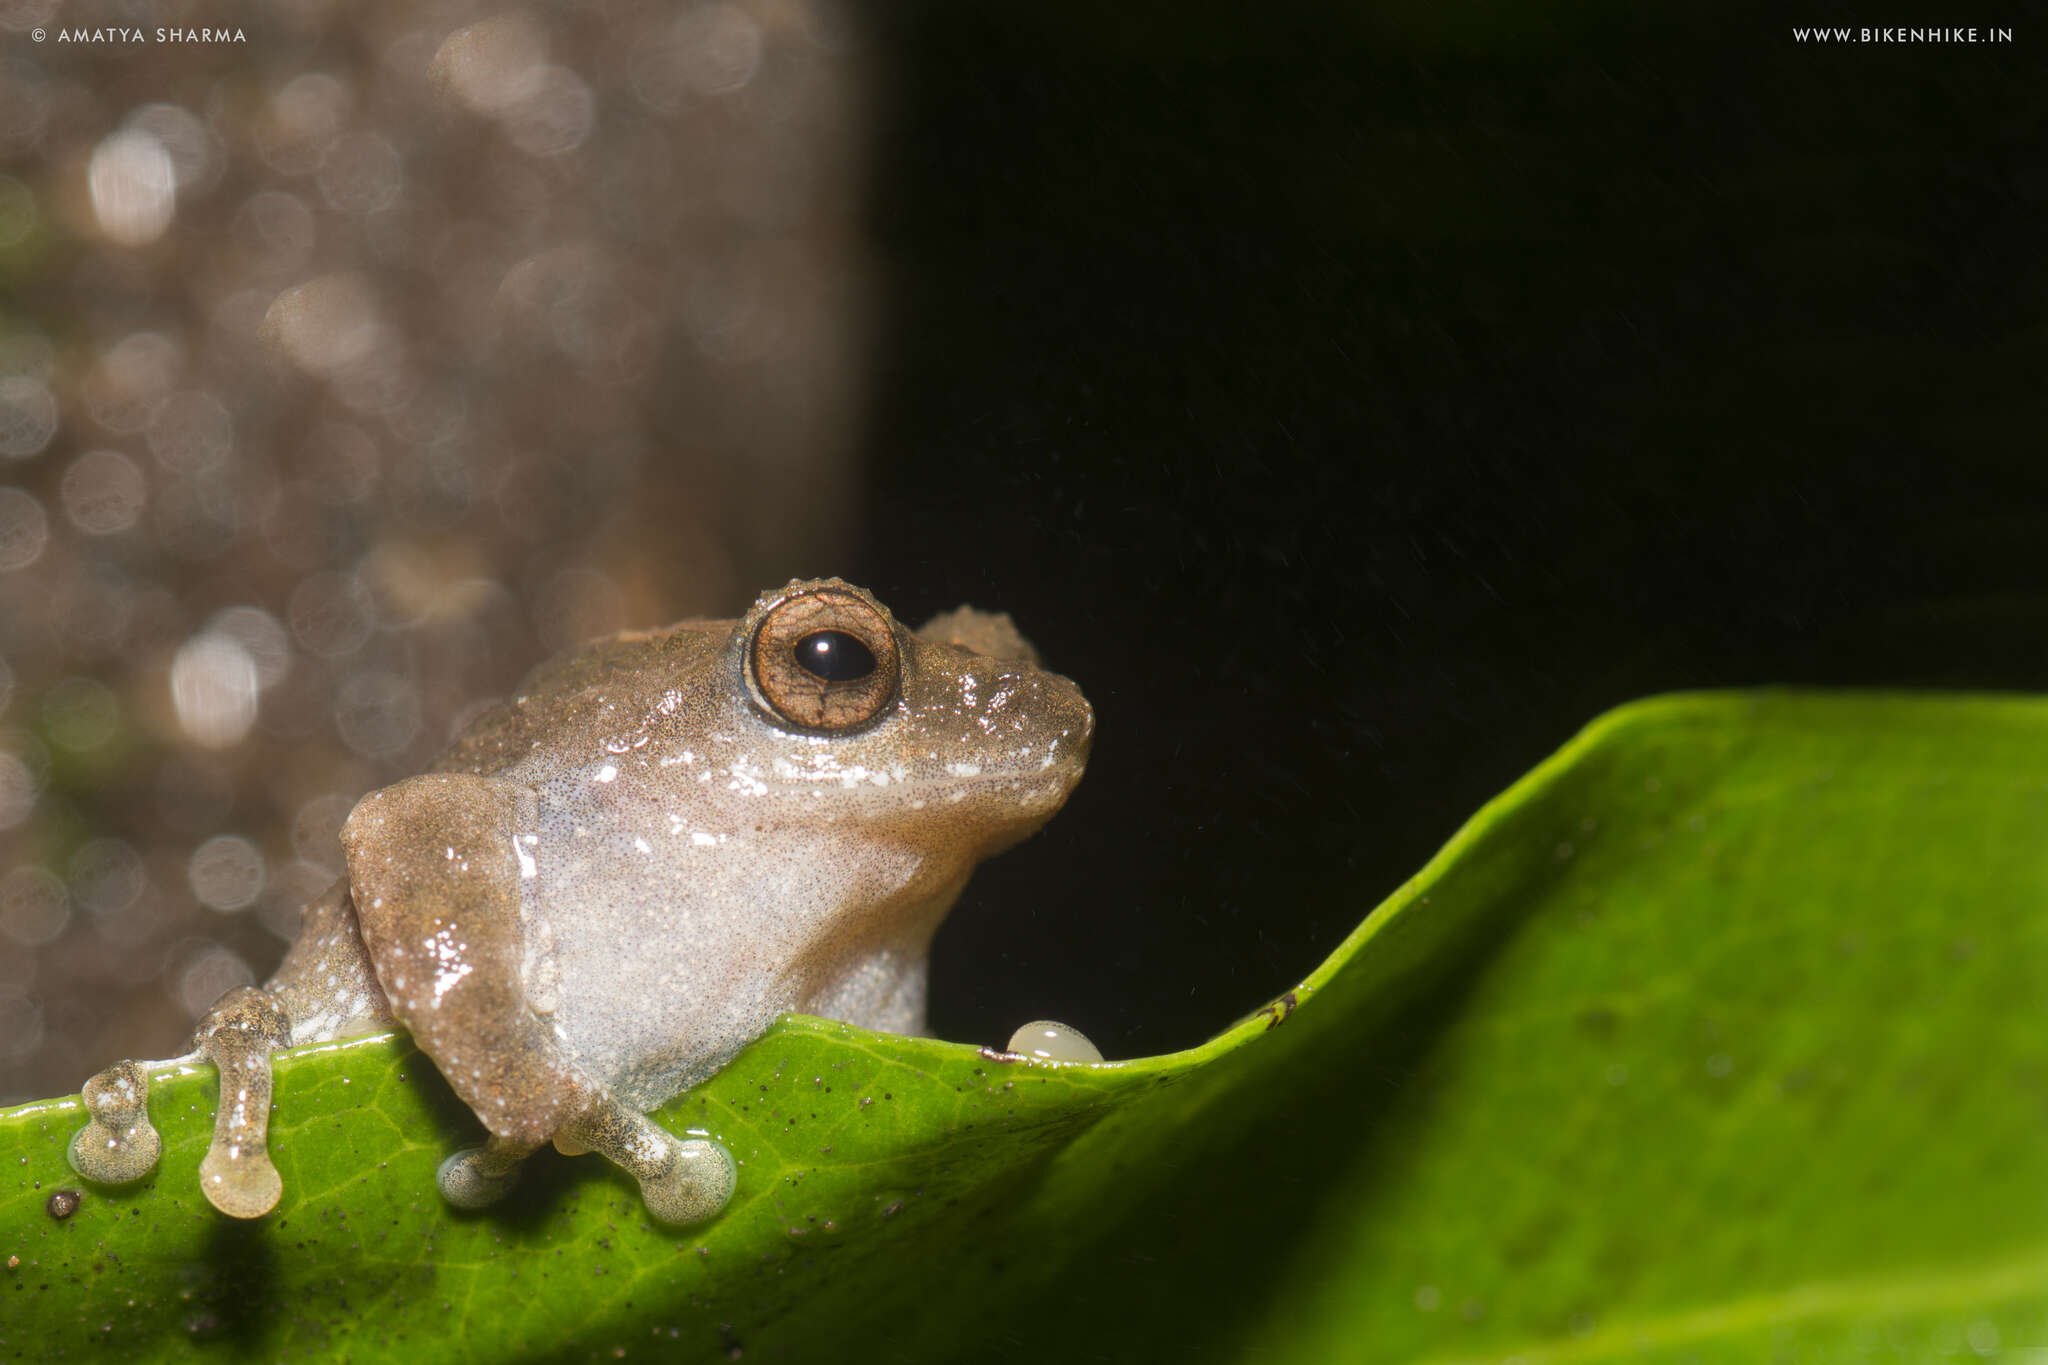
(826, 660)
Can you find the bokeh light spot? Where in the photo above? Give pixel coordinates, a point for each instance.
(261, 636)
(377, 713)
(208, 972)
(214, 687)
(304, 116)
(134, 186)
(226, 873)
(21, 1025)
(493, 64)
(34, 906)
(323, 324)
(718, 48)
(191, 432)
(330, 614)
(103, 492)
(24, 529)
(28, 416)
(193, 151)
(361, 173)
(277, 231)
(556, 117)
(17, 790)
(125, 385)
(107, 876)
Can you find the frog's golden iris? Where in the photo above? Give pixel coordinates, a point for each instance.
(807, 657)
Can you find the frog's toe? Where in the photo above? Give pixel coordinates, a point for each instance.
(240, 1183)
(682, 1180)
(478, 1177)
(238, 1035)
(119, 1144)
(693, 1182)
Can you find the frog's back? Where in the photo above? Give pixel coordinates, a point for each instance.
(606, 684)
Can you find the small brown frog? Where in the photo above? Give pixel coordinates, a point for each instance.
(613, 882)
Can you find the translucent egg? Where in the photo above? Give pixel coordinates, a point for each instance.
(1051, 1041)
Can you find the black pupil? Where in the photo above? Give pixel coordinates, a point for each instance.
(835, 656)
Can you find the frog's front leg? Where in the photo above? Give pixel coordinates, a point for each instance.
(436, 865)
(237, 1035)
(681, 1180)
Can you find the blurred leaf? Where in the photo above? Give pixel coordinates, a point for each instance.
(1713, 1039)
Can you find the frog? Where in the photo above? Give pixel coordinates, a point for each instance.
(613, 881)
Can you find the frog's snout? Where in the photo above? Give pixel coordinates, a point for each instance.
(1081, 734)
(1087, 740)
(1065, 717)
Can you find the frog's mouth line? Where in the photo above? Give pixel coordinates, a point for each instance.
(957, 781)
(1034, 789)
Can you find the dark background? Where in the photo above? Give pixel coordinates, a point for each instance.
(1358, 406)
(1355, 400)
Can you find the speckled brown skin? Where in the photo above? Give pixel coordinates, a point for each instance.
(615, 880)
(326, 985)
(445, 938)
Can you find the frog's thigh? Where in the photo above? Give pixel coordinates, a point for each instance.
(435, 878)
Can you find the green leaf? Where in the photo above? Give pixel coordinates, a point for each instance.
(1716, 1038)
